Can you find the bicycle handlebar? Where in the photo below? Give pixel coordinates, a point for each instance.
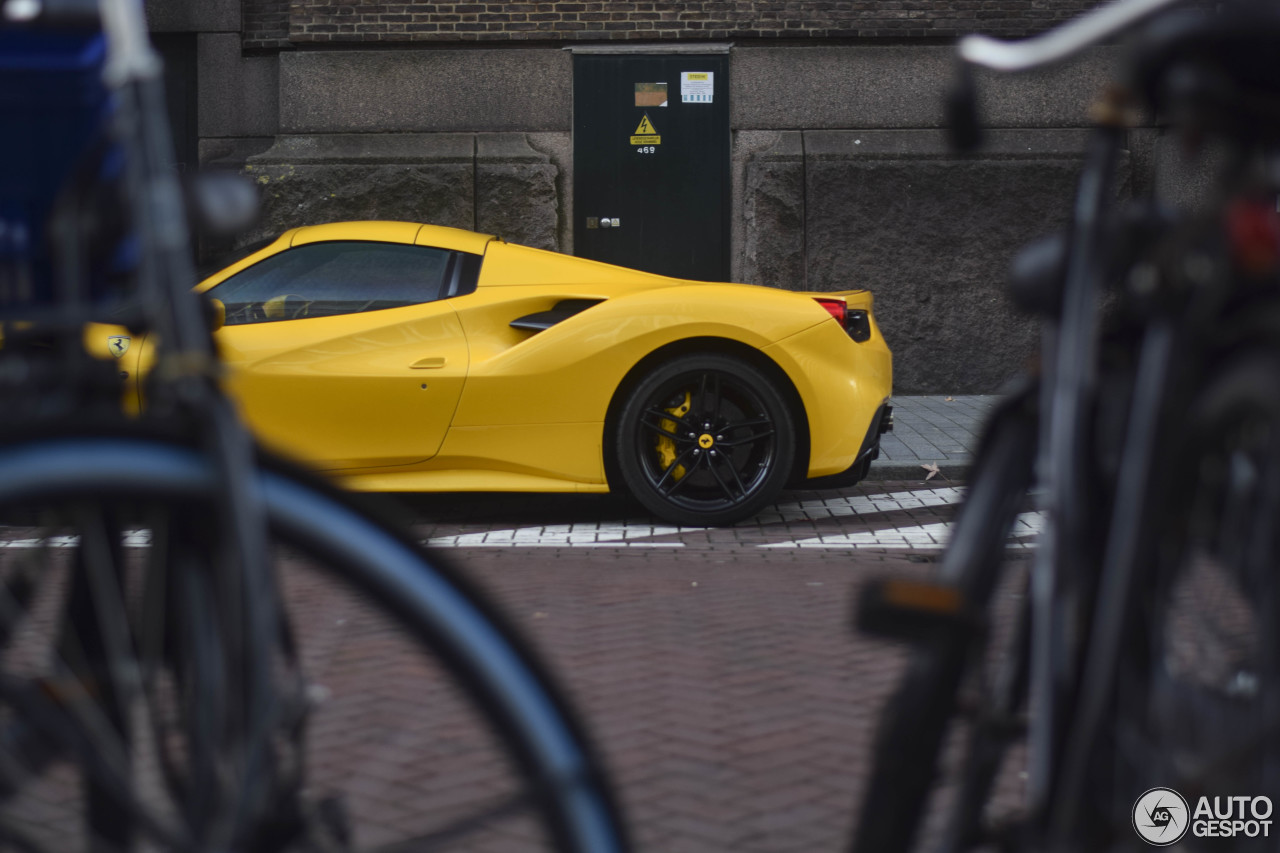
(1061, 42)
(131, 55)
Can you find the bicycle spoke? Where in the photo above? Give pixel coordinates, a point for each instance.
(71, 692)
(446, 836)
(62, 712)
(154, 625)
(107, 663)
(15, 597)
(203, 678)
(103, 572)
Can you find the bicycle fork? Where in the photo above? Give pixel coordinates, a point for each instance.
(1060, 568)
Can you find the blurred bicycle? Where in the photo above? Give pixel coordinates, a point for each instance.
(1104, 698)
(200, 647)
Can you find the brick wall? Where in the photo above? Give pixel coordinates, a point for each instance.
(269, 22)
(265, 23)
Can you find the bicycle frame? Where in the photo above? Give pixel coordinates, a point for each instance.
(1073, 584)
(189, 463)
(1195, 323)
(1067, 386)
(1080, 594)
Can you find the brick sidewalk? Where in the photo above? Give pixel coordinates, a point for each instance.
(728, 694)
(732, 701)
(936, 430)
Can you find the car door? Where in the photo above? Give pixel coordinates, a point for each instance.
(347, 354)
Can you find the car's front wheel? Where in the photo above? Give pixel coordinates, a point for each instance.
(705, 439)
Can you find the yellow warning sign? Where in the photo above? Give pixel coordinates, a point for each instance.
(646, 133)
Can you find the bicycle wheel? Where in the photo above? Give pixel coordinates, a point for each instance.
(1197, 706)
(406, 715)
(919, 716)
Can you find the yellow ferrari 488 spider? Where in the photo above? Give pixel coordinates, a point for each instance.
(407, 357)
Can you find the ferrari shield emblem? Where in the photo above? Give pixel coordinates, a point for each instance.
(118, 344)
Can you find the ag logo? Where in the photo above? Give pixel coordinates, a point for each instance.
(118, 344)
(1161, 817)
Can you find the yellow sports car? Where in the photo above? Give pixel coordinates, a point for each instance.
(408, 357)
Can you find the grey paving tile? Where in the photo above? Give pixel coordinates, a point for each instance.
(935, 429)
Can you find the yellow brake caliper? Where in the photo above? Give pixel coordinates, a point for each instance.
(667, 447)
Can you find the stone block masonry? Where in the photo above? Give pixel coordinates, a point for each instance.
(490, 182)
(461, 113)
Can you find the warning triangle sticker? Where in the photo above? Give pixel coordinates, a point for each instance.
(646, 133)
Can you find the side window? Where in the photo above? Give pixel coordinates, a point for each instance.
(329, 279)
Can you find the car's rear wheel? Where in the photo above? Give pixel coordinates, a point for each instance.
(705, 439)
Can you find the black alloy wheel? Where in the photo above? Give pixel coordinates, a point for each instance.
(705, 439)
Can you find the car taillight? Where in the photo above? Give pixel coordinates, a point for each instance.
(858, 325)
(835, 307)
(856, 322)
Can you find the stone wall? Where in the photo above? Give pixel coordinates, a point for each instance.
(931, 234)
(863, 194)
(869, 194)
(490, 182)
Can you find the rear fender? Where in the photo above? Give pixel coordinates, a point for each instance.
(707, 345)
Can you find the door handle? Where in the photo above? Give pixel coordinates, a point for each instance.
(431, 361)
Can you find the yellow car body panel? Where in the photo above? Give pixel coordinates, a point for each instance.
(546, 378)
(447, 395)
(840, 398)
(393, 232)
(378, 232)
(344, 392)
(506, 264)
(513, 458)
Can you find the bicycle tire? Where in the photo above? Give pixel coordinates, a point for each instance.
(559, 780)
(917, 717)
(1197, 696)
